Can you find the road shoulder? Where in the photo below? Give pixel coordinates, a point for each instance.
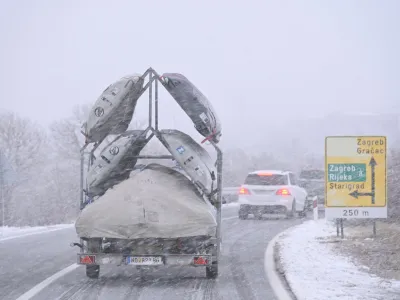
(315, 269)
(274, 271)
(378, 255)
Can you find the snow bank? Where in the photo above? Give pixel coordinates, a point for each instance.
(232, 204)
(315, 272)
(7, 233)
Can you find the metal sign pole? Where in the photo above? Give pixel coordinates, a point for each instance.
(219, 197)
(337, 227)
(341, 228)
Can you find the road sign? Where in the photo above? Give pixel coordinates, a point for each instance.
(355, 177)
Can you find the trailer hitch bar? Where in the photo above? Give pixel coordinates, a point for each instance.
(76, 244)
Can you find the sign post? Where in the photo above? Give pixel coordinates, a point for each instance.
(355, 177)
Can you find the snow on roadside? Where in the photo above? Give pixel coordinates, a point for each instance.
(232, 204)
(7, 233)
(315, 272)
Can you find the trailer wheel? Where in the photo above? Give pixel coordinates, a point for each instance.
(212, 271)
(93, 271)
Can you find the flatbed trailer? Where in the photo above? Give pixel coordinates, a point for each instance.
(197, 251)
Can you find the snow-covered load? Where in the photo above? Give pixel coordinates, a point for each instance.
(149, 214)
(115, 162)
(194, 103)
(155, 202)
(192, 157)
(113, 110)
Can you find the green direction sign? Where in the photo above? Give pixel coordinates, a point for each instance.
(347, 172)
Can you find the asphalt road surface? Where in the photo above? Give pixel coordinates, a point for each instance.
(28, 261)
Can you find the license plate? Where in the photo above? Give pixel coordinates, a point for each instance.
(263, 192)
(144, 260)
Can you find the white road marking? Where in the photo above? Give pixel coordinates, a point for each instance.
(32, 233)
(45, 283)
(275, 281)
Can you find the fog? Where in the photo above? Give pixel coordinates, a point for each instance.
(263, 64)
(281, 76)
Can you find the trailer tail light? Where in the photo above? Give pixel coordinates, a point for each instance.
(244, 191)
(200, 261)
(283, 192)
(87, 259)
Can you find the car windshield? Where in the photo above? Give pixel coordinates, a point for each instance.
(273, 179)
(312, 174)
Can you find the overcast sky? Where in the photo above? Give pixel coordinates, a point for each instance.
(256, 60)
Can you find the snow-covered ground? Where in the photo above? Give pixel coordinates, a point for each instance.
(315, 272)
(7, 233)
(232, 204)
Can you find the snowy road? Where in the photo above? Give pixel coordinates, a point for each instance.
(27, 261)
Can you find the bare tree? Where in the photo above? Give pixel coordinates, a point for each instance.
(66, 137)
(22, 142)
(66, 134)
(23, 145)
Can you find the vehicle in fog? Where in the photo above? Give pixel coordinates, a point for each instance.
(313, 181)
(271, 191)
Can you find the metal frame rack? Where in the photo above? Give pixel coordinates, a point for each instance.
(153, 114)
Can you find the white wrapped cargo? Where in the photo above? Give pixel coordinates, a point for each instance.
(192, 157)
(156, 202)
(113, 110)
(115, 162)
(194, 103)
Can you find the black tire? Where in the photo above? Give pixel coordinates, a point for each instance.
(308, 205)
(291, 213)
(243, 215)
(303, 214)
(212, 271)
(93, 271)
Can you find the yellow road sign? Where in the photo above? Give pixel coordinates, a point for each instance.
(355, 172)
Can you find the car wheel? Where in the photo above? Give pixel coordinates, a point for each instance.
(303, 213)
(309, 206)
(243, 215)
(291, 213)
